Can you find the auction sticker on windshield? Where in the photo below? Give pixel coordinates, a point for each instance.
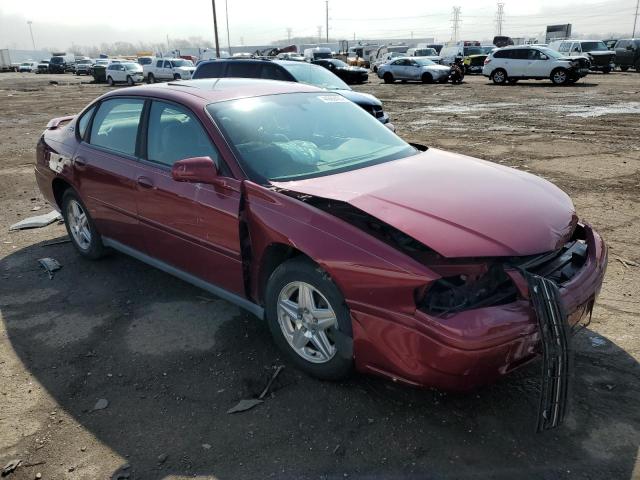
(333, 99)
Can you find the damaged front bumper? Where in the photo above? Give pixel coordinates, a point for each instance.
(470, 348)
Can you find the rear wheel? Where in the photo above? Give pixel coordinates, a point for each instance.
(427, 78)
(388, 77)
(638, 66)
(82, 232)
(559, 76)
(606, 70)
(151, 78)
(624, 68)
(110, 81)
(309, 319)
(499, 76)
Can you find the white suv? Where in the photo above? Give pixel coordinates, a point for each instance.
(510, 64)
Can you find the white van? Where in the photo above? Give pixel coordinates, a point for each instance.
(311, 54)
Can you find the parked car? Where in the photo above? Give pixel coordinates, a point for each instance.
(346, 72)
(43, 66)
(627, 52)
(61, 62)
(83, 66)
(28, 67)
(429, 53)
(293, 56)
(473, 63)
(125, 72)
(510, 64)
(596, 51)
(386, 58)
(611, 43)
(462, 49)
(168, 69)
(289, 71)
(359, 250)
(378, 56)
(146, 60)
(414, 68)
(316, 53)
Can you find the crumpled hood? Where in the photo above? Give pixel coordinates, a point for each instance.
(457, 205)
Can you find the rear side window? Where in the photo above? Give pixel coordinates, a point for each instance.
(209, 70)
(116, 125)
(83, 123)
(520, 54)
(243, 70)
(175, 134)
(273, 72)
(159, 64)
(167, 64)
(502, 54)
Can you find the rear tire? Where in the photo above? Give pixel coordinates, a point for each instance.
(80, 227)
(624, 68)
(110, 81)
(499, 76)
(427, 78)
(284, 292)
(560, 76)
(151, 78)
(638, 66)
(388, 78)
(606, 70)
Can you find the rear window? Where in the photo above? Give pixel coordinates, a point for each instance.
(243, 69)
(209, 70)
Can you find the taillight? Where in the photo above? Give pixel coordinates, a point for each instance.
(487, 60)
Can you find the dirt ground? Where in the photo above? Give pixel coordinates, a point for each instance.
(171, 359)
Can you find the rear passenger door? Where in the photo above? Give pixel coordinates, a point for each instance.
(105, 166)
(519, 63)
(190, 226)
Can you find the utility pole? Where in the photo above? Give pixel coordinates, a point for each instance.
(215, 28)
(319, 33)
(635, 19)
(289, 35)
(226, 12)
(455, 24)
(29, 22)
(500, 18)
(327, 19)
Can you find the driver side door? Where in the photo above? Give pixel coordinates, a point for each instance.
(190, 226)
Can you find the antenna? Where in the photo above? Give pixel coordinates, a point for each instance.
(499, 18)
(455, 24)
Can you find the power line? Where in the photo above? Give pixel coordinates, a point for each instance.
(499, 18)
(455, 24)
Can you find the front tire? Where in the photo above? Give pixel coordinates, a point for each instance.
(110, 81)
(130, 81)
(499, 76)
(427, 78)
(176, 76)
(309, 319)
(388, 78)
(151, 78)
(80, 227)
(559, 76)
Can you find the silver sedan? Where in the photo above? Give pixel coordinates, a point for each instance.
(413, 68)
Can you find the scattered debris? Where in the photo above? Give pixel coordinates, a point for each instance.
(248, 404)
(162, 457)
(101, 404)
(37, 222)
(10, 467)
(627, 263)
(206, 446)
(50, 265)
(38, 476)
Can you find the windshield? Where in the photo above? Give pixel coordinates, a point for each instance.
(473, 51)
(423, 62)
(132, 66)
(488, 49)
(321, 55)
(425, 52)
(182, 63)
(316, 75)
(82, 62)
(593, 46)
(550, 53)
(25, 64)
(57, 59)
(304, 135)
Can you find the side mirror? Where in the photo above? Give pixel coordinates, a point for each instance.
(195, 170)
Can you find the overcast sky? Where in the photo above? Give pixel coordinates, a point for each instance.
(59, 23)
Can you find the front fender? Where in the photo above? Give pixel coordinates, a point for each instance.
(366, 270)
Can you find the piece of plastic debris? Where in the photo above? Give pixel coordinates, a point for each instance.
(162, 457)
(37, 222)
(50, 265)
(10, 467)
(101, 404)
(249, 403)
(244, 405)
(206, 446)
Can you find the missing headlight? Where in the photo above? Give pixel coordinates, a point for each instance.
(464, 292)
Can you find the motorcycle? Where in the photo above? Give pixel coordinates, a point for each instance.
(457, 72)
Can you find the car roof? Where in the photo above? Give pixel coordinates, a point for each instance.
(211, 90)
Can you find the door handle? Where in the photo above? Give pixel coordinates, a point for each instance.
(79, 162)
(145, 182)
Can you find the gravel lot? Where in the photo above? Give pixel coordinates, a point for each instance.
(171, 359)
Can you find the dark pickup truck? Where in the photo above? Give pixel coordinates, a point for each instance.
(627, 51)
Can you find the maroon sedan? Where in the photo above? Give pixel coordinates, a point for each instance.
(359, 249)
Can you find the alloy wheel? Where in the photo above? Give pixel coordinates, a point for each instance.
(79, 225)
(307, 321)
(559, 77)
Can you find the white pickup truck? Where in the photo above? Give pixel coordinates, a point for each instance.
(168, 69)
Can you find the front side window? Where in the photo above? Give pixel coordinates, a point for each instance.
(303, 135)
(594, 47)
(116, 125)
(174, 134)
